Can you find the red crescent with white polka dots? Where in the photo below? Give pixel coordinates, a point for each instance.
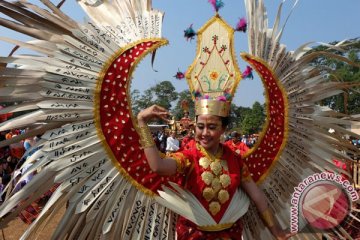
(117, 126)
(273, 139)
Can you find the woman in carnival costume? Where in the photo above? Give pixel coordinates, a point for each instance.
(98, 155)
(212, 172)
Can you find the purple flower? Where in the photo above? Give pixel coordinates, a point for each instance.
(241, 26)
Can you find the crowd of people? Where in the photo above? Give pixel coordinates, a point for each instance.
(12, 158)
(356, 143)
(168, 141)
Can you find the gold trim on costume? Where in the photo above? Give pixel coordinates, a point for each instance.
(207, 177)
(215, 228)
(268, 218)
(215, 178)
(214, 208)
(216, 167)
(204, 162)
(146, 138)
(225, 180)
(267, 122)
(223, 196)
(158, 43)
(216, 185)
(208, 194)
(181, 161)
(212, 107)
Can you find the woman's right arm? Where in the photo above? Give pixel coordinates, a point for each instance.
(161, 166)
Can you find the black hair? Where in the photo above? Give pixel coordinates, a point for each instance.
(225, 121)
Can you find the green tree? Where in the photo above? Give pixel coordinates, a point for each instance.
(135, 96)
(162, 94)
(253, 121)
(143, 101)
(338, 71)
(237, 115)
(165, 94)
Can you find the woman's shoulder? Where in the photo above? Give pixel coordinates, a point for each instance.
(227, 149)
(229, 153)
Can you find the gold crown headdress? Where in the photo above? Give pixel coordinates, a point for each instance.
(214, 75)
(185, 106)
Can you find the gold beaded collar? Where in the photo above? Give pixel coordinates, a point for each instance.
(210, 156)
(216, 181)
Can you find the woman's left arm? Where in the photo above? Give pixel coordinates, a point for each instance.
(259, 198)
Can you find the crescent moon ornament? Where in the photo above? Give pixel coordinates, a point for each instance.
(114, 119)
(263, 156)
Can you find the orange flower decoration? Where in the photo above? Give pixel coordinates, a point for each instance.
(214, 75)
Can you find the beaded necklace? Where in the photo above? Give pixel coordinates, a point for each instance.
(215, 179)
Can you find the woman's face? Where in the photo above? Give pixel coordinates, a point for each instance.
(208, 131)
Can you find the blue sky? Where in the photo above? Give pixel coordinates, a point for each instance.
(312, 20)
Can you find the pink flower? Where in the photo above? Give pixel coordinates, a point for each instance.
(221, 98)
(241, 26)
(179, 75)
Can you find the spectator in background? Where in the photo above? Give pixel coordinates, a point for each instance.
(236, 145)
(162, 139)
(172, 143)
(156, 140)
(188, 141)
(10, 134)
(5, 172)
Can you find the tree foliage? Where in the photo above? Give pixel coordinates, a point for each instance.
(242, 119)
(237, 116)
(162, 94)
(253, 121)
(339, 71)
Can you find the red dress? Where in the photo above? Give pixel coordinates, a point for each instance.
(193, 164)
(239, 147)
(187, 143)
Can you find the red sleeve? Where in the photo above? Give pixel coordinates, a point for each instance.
(183, 160)
(244, 171)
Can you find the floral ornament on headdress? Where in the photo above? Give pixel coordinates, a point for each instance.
(197, 94)
(248, 73)
(189, 33)
(228, 95)
(179, 75)
(217, 4)
(241, 26)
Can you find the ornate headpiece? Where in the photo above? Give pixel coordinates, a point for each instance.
(185, 106)
(214, 75)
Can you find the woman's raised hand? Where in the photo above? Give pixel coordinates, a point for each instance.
(152, 112)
